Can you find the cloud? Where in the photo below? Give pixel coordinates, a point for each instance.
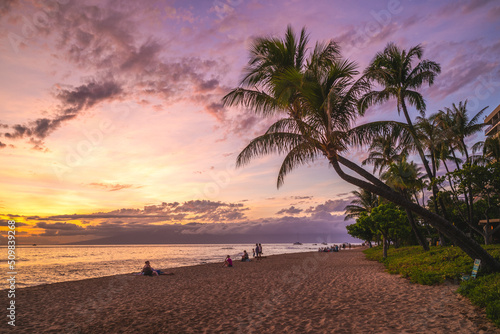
(464, 6)
(291, 211)
(180, 14)
(116, 47)
(337, 205)
(202, 210)
(61, 229)
(72, 102)
(287, 229)
(87, 95)
(5, 6)
(111, 187)
(216, 110)
(196, 221)
(206, 86)
(58, 226)
(302, 197)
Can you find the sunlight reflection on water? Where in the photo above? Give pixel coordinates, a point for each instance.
(50, 264)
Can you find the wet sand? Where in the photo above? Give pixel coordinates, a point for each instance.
(292, 293)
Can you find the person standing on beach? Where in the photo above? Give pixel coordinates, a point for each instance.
(257, 251)
(260, 250)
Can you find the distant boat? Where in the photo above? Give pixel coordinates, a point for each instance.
(297, 243)
(324, 243)
(34, 244)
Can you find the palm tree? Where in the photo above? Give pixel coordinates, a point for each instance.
(458, 126)
(489, 148)
(392, 69)
(405, 178)
(361, 206)
(317, 97)
(385, 150)
(429, 137)
(364, 202)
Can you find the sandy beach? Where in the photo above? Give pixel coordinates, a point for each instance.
(293, 293)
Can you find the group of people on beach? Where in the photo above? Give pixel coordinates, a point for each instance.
(228, 262)
(257, 251)
(334, 248)
(257, 254)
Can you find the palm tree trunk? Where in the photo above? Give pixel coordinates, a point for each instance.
(425, 162)
(362, 172)
(469, 186)
(468, 245)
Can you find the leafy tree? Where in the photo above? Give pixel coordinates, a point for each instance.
(483, 182)
(389, 221)
(386, 220)
(363, 228)
(404, 177)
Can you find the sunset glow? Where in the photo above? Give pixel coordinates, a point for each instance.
(111, 111)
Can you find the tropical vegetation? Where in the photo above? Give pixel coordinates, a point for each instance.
(314, 96)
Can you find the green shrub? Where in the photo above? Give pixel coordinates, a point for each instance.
(493, 312)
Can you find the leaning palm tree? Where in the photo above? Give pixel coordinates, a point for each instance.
(317, 96)
(363, 202)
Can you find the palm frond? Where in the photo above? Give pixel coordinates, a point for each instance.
(268, 143)
(258, 101)
(299, 155)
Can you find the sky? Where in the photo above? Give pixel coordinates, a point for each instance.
(112, 127)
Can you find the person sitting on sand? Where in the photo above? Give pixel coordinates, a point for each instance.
(228, 262)
(148, 270)
(244, 257)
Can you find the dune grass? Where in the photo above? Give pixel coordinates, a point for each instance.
(445, 263)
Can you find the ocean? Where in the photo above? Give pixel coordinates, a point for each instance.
(45, 264)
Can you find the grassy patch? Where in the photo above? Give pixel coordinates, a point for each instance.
(445, 263)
